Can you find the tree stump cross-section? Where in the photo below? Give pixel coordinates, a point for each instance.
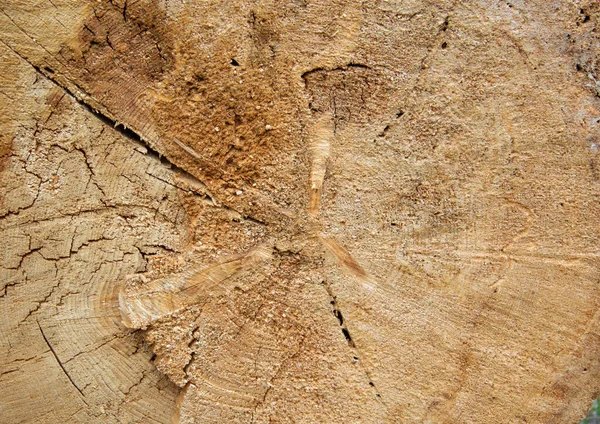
(300, 211)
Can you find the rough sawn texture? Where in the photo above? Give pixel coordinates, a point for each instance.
(300, 211)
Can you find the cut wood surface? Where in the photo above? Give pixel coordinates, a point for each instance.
(300, 211)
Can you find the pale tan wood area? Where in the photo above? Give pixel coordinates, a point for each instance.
(300, 211)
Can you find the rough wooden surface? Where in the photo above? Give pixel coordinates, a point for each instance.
(309, 211)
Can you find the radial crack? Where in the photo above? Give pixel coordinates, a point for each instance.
(337, 312)
(59, 362)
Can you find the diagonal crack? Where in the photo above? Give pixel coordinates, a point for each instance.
(41, 303)
(357, 354)
(60, 363)
(104, 116)
(92, 105)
